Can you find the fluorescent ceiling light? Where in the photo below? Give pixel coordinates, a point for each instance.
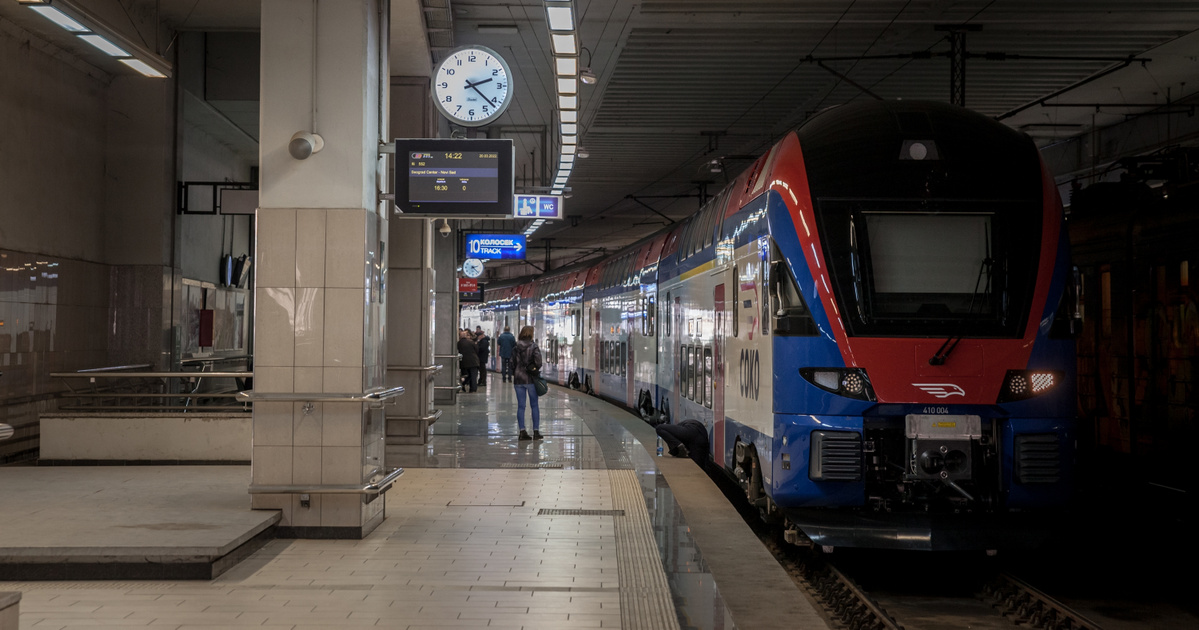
(570, 128)
(568, 102)
(560, 18)
(104, 45)
(567, 65)
(570, 139)
(568, 159)
(569, 115)
(568, 85)
(568, 149)
(563, 44)
(556, 191)
(60, 18)
(144, 68)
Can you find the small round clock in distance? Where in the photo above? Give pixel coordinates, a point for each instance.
(472, 86)
(472, 267)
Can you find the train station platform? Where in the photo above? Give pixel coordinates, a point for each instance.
(584, 529)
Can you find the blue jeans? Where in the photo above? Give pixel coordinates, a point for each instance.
(506, 369)
(531, 391)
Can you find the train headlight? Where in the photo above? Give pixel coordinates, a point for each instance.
(849, 382)
(1024, 384)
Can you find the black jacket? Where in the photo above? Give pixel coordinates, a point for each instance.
(526, 354)
(470, 354)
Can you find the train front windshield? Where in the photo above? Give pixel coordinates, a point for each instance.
(962, 269)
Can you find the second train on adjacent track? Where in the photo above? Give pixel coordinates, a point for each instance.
(874, 320)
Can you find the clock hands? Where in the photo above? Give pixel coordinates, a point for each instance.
(474, 87)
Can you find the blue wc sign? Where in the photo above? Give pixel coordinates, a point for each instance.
(496, 246)
(537, 207)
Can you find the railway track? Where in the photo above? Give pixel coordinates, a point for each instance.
(1004, 601)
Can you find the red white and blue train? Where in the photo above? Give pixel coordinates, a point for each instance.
(874, 321)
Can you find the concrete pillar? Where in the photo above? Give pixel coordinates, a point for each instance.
(321, 272)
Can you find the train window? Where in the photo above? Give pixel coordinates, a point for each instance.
(650, 316)
(708, 377)
(669, 314)
(736, 302)
(791, 315)
(624, 359)
(684, 373)
(764, 281)
(691, 372)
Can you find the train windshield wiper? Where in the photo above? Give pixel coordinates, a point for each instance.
(942, 353)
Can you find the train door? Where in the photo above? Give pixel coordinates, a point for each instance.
(718, 377)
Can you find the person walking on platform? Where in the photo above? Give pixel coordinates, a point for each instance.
(506, 342)
(483, 343)
(688, 438)
(526, 360)
(470, 360)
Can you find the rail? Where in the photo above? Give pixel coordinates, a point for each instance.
(452, 388)
(372, 488)
(377, 395)
(135, 388)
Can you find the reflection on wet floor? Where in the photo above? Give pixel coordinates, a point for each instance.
(480, 431)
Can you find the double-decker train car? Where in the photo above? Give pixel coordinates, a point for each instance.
(875, 322)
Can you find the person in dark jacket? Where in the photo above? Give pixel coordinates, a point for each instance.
(526, 361)
(688, 438)
(470, 360)
(483, 343)
(506, 342)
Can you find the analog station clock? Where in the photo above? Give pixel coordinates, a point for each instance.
(472, 267)
(472, 86)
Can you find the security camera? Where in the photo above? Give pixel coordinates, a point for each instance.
(445, 230)
(304, 144)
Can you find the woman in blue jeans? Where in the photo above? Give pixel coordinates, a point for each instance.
(526, 359)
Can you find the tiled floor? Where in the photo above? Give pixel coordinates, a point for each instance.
(464, 545)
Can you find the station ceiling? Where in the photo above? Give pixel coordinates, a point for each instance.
(683, 83)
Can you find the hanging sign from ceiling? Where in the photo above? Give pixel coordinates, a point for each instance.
(496, 246)
(537, 207)
(454, 178)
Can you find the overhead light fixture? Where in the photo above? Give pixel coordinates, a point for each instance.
(588, 77)
(568, 85)
(104, 45)
(563, 44)
(568, 102)
(81, 22)
(570, 139)
(568, 149)
(569, 115)
(568, 66)
(59, 18)
(570, 128)
(560, 16)
(568, 159)
(143, 67)
(715, 166)
(583, 153)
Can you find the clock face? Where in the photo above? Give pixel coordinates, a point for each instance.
(472, 267)
(471, 86)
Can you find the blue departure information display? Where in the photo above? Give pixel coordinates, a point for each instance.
(496, 246)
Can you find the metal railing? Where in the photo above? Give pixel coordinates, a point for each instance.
(139, 389)
(375, 396)
(454, 359)
(374, 487)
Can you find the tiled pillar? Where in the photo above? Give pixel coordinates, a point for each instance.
(320, 248)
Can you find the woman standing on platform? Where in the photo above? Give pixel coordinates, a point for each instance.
(526, 360)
